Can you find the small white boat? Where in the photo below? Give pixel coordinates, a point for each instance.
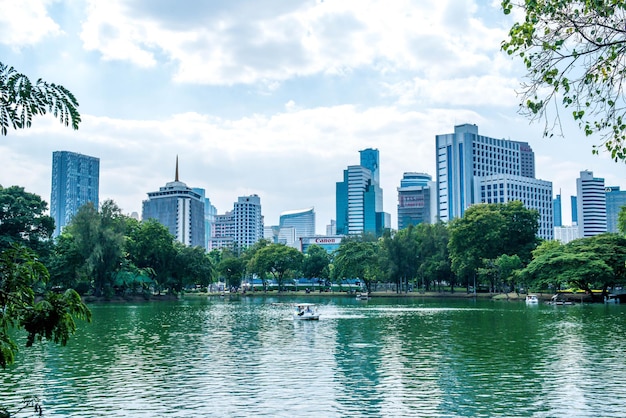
(558, 301)
(362, 296)
(532, 300)
(611, 299)
(306, 311)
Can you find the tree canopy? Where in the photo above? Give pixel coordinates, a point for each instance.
(20, 100)
(574, 52)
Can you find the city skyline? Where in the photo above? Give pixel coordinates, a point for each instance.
(272, 98)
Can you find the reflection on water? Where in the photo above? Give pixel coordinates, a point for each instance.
(388, 357)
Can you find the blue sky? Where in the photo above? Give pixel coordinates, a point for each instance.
(271, 97)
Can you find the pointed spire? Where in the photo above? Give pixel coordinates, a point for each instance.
(176, 177)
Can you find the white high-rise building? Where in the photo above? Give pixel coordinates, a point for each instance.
(248, 220)
(240, 228)
(591, 205)
(477, 169)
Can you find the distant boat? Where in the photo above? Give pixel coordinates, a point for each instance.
(532, 300)
(306, 311)
(556, 300)
(362, 296)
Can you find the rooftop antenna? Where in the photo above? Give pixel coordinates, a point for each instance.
(176, 177)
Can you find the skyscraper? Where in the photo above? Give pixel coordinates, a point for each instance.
(416, 200)
(75, 181)
(210, 212)
(359, 198)
(180, 209)
(556, 205)
(240, 228)
(248, 221)
(477, 169)
(591, 201)
(615, 200)
(295, 224)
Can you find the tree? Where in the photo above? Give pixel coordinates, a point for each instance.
(20, 100)
(192, 266)
(316, 263)
(434, 258)
(232, 268)
(486, 231)
(401, 256)
(359, 259)
(574, 52)
(51, 318)
(23, 220)
(99, 239)
(597, 262)
(621, 220)
(278, 260)
(151, 246)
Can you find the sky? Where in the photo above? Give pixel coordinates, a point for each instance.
(271, 97)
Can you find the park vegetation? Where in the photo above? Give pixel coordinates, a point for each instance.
(573, 52)
(104, 254)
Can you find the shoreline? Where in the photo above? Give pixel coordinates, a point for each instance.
(512, 296)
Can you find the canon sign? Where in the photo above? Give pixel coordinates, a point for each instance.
(327, 240)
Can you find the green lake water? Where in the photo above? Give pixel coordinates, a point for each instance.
(386, 357)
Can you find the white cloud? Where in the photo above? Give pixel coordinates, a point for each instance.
(330, 37)
(26, 22)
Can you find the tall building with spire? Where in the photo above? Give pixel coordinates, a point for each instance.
(75, 182)
(180, 209)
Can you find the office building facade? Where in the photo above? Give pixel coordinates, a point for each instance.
(557, 208)
(75, 182)
(591, 205)
(472, 168)
(359, 198)
(180, 209)
(295, 224)
(615, 201)
(416, 200)
(240, 228)
(210, 212)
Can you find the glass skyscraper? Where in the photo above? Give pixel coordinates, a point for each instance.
(416, 203)
(359, 198)
(295, 224)
(615, 200)
(75, 182)
(556, 204)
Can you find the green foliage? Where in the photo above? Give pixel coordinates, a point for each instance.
(574, 55)
(316, 263)
(487, 231)
(23, 220)
(150, 245)
(621, 220)
(232, 268)
(192, 266)
(277, 260)
(587, 263)
(20, 100)
(98, 239)
(51, 318)
(358, 258)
